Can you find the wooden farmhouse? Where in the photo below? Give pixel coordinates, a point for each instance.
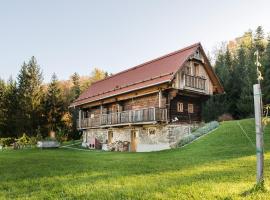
(148, 107)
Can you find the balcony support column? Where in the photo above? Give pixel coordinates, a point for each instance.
(159, 98)
(80, 119)
(101, 114)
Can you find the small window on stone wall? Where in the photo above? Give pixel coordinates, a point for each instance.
(151, 131)
(180, 107)
(190, 108)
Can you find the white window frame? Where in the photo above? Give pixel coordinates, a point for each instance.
(190, 108)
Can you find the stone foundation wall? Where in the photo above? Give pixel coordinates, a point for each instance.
(149, 137)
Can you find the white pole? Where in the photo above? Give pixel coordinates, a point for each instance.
(259, 131)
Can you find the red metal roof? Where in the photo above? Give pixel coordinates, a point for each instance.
(154, 72)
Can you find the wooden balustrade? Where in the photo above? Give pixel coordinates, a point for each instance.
(195, 82)
(125, 117)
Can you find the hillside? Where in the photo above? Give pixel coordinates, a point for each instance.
(220, 165)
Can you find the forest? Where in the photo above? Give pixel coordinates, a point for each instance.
(30, 106)
(234, 63)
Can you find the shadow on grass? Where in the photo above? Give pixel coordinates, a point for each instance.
(257, 188)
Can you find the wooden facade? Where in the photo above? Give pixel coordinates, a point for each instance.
(178, 100)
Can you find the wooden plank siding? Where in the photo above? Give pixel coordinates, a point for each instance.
(185, 116)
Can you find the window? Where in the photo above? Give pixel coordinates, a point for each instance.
(180, 107)
(190, 108)
(151, 131)
(92, 115)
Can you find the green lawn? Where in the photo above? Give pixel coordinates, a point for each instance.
(220, 165)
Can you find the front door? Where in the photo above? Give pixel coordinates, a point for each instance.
(133, 143)
(110, 137)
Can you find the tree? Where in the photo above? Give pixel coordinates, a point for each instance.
(30, 94)
(53, 105)
(266, 81)
(76, 90)
(2, 105)
(97, 74)
(12, 106)
(259, 40)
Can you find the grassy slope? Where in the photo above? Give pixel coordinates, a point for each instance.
(221, 165)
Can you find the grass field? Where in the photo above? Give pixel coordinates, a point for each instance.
(220, 165)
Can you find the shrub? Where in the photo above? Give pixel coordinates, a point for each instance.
(5, 142)
(60, 135)
(24, 140)
(39, 137)
(186, 139)
(198, 132)
(225, 117)
(33, 140)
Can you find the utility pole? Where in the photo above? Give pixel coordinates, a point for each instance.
(258, 106)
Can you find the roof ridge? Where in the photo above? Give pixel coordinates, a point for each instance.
(147, 62)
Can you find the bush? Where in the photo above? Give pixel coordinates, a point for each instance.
(61, 135)
(198, 132)
(39, 137)
(5, 142)
(186, 139)
(225, 117)
(33, 140)
(24, 140)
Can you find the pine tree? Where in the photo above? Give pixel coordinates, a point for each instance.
(266, 81)
(30, 94)
(2, 106)
(53, 105)
(12, 105)
(76, 91)
(243, 98)
(259, 40)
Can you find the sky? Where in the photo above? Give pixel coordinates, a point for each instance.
(68, 36)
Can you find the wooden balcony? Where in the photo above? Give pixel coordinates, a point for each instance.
(138, 116)
(195, 82)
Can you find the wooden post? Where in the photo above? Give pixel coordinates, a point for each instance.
(101, 114)
(259, 132)
(159, 98)
(80, 119)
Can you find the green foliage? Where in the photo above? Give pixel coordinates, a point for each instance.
(266, 81)
(186, 139)
(235, 66)
(5, 142)
(39, 137)
(215, 107)
(2, 105)
(30, 94)
(23, 140)
(60, 135)
(76, 90)
(33, 141)
(53, 105)
(206, 128)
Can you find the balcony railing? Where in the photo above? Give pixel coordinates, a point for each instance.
(138, 116)
(195, 82)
